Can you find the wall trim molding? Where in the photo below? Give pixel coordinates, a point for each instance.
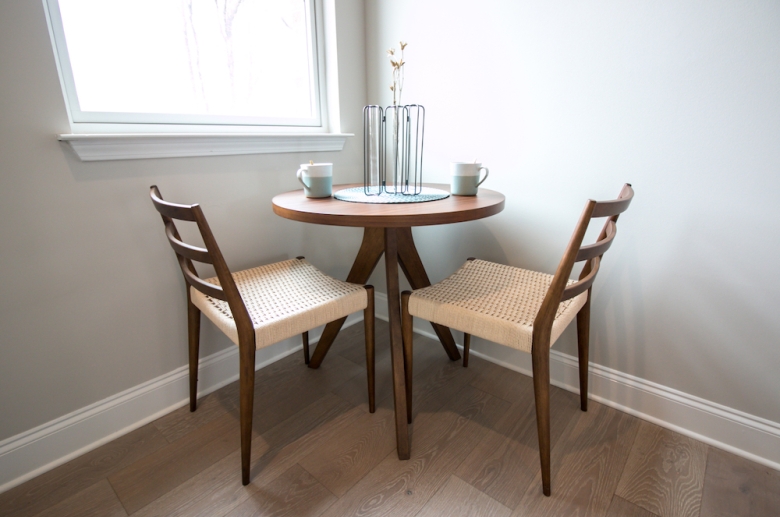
(749, 436)
(38, 450)
(131, 146)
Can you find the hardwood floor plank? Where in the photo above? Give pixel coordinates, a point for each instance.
(213, 491)
(145, 480)
(437, 383)
(353, 450)
(99, 500)
(665, 472)
(440, 443)
(350, 343)
(736, 487)
(501, 382)
(355, 388)
(426, 353)
(218, 489)
(291, 371)
(269, 467)
(622, 508)
(288, 390)
(586, 465)
(506, 461)
(459, 499)
(350, 454)
(52, 487)
(182, 421)
(295, 493)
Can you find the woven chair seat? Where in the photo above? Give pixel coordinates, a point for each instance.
(283, 299)
(493, 301)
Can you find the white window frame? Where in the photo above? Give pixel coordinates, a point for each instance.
(93, 140)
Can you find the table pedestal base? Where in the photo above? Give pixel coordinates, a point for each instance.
(371, 250)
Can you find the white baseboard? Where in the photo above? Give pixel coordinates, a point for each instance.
(38, 450)
(745, 435)
(47, 446)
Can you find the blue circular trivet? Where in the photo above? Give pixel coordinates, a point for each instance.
(358, 195)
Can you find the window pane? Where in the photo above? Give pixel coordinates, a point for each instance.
(248, 58)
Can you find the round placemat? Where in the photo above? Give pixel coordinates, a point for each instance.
(358, 195)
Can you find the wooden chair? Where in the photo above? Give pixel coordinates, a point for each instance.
(521, 309)
(258, 307)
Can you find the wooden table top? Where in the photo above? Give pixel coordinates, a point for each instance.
(331, 211)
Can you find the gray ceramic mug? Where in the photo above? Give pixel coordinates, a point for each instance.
(317, 179)
(465, 178)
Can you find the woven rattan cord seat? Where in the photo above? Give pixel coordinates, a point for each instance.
(521, 309)
(258, 307)
(493, 301)
(283, 299)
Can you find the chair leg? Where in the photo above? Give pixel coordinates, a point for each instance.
(305, 337)
(193, 330)
(246, 394)
(368, 325)
(408, 339)
(583, 344)
(540, 355)
(466, 345)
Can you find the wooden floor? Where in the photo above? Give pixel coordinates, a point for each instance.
(317, 451)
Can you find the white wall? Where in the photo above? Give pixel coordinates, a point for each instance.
(92, 299)
(565, 101)
(562, 100)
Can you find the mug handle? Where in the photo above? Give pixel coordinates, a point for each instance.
(299, 174)
(486, 175)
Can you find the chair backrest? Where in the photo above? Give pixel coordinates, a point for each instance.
(186, 253)
(575, 252)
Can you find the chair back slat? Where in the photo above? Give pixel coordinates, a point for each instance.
(206, 288)
(610, 208)
(600, 247)
(182, 248)
(172, 210)
(186, 253)
(615, 206)
(575, 252)
(583, 284)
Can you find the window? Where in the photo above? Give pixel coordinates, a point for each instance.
(245, 62)
(191, 66)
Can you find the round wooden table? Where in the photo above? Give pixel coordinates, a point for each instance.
(388, 231)
(454, 209)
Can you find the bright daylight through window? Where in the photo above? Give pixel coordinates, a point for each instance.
(225, 62)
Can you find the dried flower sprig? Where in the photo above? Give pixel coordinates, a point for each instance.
(398, 73)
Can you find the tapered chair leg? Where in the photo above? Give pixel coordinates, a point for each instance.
(583, 341)
(466, 346)
(193, 329)
(408, 339)
(540, 356)
(305, 337)
(368, 327)
(246, 403)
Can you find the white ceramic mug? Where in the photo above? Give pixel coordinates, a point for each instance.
(316, 178)
(465, 178)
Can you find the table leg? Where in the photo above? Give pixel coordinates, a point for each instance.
(371, 250)
(396, 343)
(415, 272)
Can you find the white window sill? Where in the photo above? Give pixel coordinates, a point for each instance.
(132, 146)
